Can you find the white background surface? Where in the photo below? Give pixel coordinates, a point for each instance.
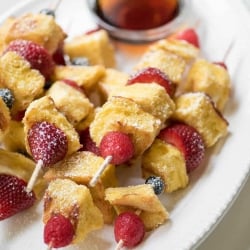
(233, 232)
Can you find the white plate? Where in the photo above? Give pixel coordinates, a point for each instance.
(196, 210)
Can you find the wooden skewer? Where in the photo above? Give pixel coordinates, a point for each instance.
(105, 163)
(55, 5)
(34, 176)
(228, 50)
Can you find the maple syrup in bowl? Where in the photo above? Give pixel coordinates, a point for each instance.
(138, 20)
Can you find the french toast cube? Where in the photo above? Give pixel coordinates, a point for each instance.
(125, 115)
(25, 83)
(164, 160)
(198, 110)
(112, 80)
(85, 76)
(74, 202)
(70, 101)
(81, 167)
(171, 64)
(141, 199)
(39, 28)
(179, 47)
(152, 97)
(18, 165)
(96, 47)
(13, 139)
(44, 109)
(4, 119)
(210, 78)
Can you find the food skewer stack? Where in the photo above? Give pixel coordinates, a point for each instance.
(80, 119)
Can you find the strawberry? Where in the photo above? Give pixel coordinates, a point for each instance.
(188, 141)
(73, 84)
(188, 35)
(36, 55)
(129, 228)
(118, 145)
(58, 232)
(47, 143)
(87, 143)
(13, 196)
(150, 75)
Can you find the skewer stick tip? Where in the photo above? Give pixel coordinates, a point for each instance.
(119, 245)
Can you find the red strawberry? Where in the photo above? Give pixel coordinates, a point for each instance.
(188, 35)
(36, 55)
(150, 75)
(73, 84)
(188, 141)
(87, 143)
(129, 228)
(13, 196)
(58, 232)
(118, 145)
(47, 143)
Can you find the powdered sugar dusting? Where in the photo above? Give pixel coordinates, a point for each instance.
(47, 143)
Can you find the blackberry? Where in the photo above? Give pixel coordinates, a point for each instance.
(48, 12)
(157, 184)
(7, 97)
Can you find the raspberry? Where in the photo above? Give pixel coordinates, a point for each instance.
(190, 36)
(58, 232)
(118, 145)
(36, 55)
(87, 143)
(14, 197)
(7, 97)
(47, 143)
(129, 228)
(188, 141)
(58, 56)
(150, 75)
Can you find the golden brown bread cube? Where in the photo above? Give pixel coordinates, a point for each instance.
(139, 198)
(87, 121)
(210, 78)
(74, 202)
(18, 165)
(72, 102)
(85, 76)
(4, 119)
(96, 47)
(112, 80)
(171, 64)
(152, 97)
(39, 28)
(164, 160)
(80, 167)
(13, 139)
(44, 109)
(25, 83)
(178, 47)
(197, 110)
(125, 115)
